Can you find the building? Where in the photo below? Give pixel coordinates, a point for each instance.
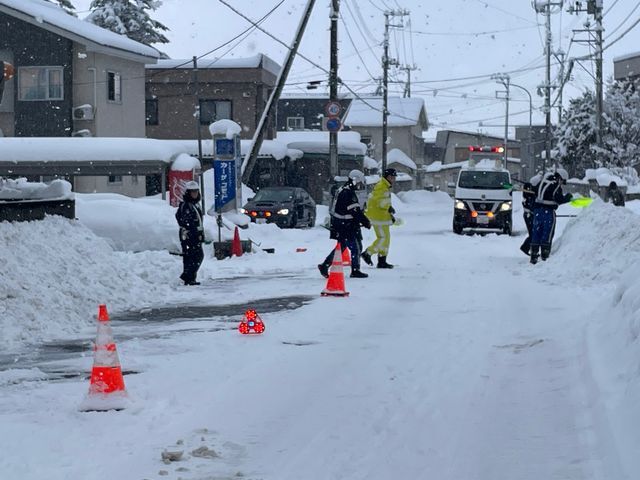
(236, 89)
(305, 112)
(532, 148)
(72, 77)
(406, 123)
(627, 66)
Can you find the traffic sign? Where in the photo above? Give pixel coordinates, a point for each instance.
(334, 125)
(333, 109)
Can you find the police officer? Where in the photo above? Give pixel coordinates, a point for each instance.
(346, 218)
(189, 217)
(381, 213)
(549, 197)
(528, 198)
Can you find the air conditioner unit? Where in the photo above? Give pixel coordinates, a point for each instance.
(83, 112)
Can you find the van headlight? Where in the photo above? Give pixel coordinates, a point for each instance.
(283, 211)
(459, 205)
(505, 207)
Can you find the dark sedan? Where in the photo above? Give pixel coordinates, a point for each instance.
(287, 207)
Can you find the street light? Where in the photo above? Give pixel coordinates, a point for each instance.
(530, 115)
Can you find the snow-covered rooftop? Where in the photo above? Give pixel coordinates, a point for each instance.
(254, 61)
(398, 156)
(51, 17)
(367, 112)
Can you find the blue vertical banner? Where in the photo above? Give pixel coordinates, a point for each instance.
(224, 172)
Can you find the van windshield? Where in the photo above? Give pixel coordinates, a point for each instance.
(483, 180)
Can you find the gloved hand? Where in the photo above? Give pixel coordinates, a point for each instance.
(392, 210)
(183, 234)
(367, 224)
(393, 219)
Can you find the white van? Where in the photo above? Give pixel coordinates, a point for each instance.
(483, 201)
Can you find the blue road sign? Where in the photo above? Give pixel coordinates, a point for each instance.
(224, 148)
(334, 125)
(224, 172)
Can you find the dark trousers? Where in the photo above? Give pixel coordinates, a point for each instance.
(544, 227)
(354, 245)
(192, 256)
(528, 221)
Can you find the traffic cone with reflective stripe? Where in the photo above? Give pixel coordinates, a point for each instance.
(346, 256)
(335, 284)
(236, 246)
(106, 387)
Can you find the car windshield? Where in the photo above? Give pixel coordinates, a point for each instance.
(484, 180)
(273, 195)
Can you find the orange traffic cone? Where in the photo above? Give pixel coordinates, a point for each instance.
(106, 387)
(335, 284)
(236, 246)
(346, 256)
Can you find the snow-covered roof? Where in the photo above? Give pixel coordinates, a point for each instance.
(254, 61)
(628, 56)
(367, 112)
(482, 164)
(318, 142)
(53, 18)
(370, 163)
(269, 148)
(398, 156)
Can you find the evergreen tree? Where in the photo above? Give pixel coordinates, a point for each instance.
(130, 18)
(66, 5)
(621, 140)
(576, 135)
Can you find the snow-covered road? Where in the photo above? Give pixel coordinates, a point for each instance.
(463, 363)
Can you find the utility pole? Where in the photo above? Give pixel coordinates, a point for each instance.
(407, 88)
(505, 80)
(250, 160)
(386, 63)
(333, 86)
(196, 86)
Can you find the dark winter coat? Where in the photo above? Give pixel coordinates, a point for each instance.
(529, 194)
(347, 215)
(616, 196)
(549, 193)
(189, 217)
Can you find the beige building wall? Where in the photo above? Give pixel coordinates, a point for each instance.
(131, 186)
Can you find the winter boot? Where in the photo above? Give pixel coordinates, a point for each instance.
(366, 256)
(544, 254)
(358, 274)
(192, 282)
(382, 262)
(534, 254)
(524, 248)
(324, 270)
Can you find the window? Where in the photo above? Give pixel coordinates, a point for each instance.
(213, 110)
(40, 83)
(114, 87)
(295, 123)
(151, 109)
(115, 179)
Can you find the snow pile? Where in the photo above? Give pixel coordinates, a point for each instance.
(56, 272)
(229, 128)
(21, 189)
(422, 197)
(401, 158)
(604, 176)
(602, 236)
(185, 163)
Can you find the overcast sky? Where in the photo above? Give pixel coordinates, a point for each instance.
(450, 40)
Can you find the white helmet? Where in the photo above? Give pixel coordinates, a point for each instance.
(356, 176)
(191, 186)
(563, 174)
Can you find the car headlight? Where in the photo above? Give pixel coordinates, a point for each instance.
(505, 207)
(459, 205)
(242, 210)
(283, 211)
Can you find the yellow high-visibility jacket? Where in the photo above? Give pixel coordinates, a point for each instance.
(379, 202)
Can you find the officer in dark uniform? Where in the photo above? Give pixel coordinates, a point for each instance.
(189, 217)
(615, 195)
(549, 197)
(346, 218)
(528, 199)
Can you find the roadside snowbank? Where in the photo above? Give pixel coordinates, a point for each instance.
(55, 272)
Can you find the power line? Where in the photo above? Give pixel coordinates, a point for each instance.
(487, 4)
(623, 22)
(356, 48)
(472, 34)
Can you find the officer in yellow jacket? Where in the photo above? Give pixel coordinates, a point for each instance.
(380, 212)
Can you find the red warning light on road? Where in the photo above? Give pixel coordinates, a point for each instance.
(251, 323)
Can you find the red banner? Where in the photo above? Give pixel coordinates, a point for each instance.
(177, 181)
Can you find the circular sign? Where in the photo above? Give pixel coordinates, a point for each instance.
(334, 124)
(333, 109)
